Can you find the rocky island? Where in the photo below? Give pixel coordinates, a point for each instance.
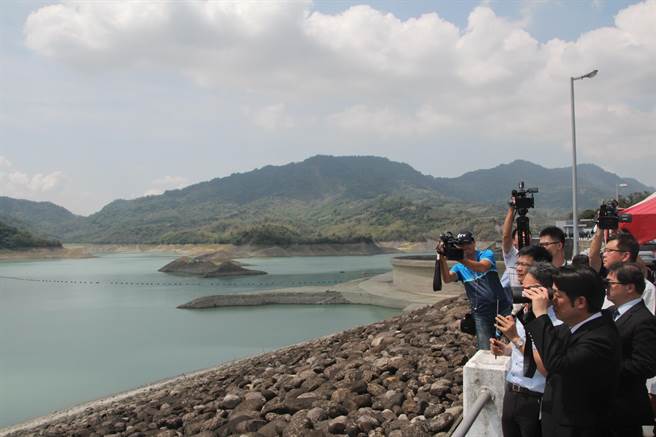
(207, 268)
(399, 377)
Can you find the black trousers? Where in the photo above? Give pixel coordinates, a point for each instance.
(521, 415)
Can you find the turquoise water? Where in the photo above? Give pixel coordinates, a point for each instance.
(77, 330)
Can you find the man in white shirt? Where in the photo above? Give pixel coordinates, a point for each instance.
(526, 377)
(509, 250)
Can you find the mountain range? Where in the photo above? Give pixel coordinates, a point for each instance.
(321, 199)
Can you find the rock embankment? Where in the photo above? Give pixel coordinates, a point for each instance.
(400, 377)
(252, 299)
(200, 266)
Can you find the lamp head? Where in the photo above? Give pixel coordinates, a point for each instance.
(590, 75)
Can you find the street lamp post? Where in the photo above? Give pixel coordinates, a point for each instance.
(575, 219)
(617, 191)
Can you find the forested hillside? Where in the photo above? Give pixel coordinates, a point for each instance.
(322, 199)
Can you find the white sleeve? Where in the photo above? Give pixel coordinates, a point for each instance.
(510, 258)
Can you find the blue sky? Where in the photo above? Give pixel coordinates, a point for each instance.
(107, 100)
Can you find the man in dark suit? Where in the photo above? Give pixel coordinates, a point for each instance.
(632, 409)
(582, 357)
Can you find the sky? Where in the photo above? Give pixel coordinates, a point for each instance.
(103, 99)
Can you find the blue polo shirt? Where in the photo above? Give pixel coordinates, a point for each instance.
(483, 288)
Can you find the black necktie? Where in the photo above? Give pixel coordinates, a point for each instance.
(529, 362)
(616, 315)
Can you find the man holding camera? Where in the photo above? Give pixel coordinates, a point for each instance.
(583, 364)
(509, 249)
(477, 271)
(622, 247)
(512, 240)
(637, 326)
(526, 377)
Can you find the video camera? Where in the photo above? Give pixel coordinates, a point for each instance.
(609, 216)
(517, 296)
(452, 247)
(523, 198)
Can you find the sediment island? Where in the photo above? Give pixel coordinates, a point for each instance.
(254, 299)
(205, 268)
(399, 377)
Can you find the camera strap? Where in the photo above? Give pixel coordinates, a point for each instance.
(437, 274)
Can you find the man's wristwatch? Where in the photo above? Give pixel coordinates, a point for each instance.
(518, 343)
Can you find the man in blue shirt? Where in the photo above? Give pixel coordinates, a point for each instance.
(477, 270)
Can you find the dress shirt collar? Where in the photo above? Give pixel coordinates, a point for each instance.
(627, 306)
(578, 325)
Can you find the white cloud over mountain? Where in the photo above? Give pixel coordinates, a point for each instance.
(16, 183)
(367, 79)
(158, 186)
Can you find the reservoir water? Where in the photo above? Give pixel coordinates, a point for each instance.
(77, 330)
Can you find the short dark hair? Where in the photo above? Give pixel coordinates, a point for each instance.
(581, 281)
(629, 273)
(543, 272)
(538, 253)
(554, 232)
(581, 260)
(627, 243)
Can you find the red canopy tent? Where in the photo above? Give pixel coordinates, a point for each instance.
(643, 223)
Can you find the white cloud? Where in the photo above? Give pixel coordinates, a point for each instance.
(158, 186)
(387, 122)
(369, 74)
(15, 183)
(272, 117)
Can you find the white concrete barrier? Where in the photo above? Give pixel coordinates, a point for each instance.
(483, 370)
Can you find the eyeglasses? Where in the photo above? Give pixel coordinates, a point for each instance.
(549, 243)
(613, 250)
(521, 264)
(608, 283)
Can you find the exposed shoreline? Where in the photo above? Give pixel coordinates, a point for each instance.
(403, 373)
(378, 290)
(66, 252)
(222, 251)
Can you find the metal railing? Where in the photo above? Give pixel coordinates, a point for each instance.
(484, 396)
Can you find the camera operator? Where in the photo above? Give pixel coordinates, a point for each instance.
(509, 249)
(622, 247)
(526, 377)
(512, 240)
(478, 272)
(637, 326)
(583, 364)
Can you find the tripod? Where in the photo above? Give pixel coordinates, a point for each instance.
(523, 229)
